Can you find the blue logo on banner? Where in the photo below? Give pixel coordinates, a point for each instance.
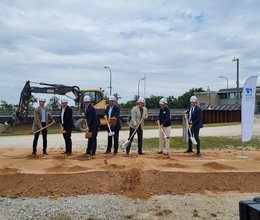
(249, 91)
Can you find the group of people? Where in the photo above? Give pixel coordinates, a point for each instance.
(139, 113)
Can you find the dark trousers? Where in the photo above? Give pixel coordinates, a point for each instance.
(195, 133)
(110, 141)
(44, 138)
(139, 137)
(92, 142)
(67, 138)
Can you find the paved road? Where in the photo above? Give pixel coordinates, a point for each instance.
(56, 140)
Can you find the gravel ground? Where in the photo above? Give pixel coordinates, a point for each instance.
(222, 206)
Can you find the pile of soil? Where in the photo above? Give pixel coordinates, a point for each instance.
(135, 176)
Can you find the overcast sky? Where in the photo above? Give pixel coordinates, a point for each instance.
(178, 44)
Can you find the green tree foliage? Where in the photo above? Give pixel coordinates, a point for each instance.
(4, 106)
(129, 104)
(153, 101)
(182, 102)
(32, 101)
(54, 103)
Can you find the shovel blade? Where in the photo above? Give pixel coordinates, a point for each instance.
(111, 133)
(193, 140)
(126, 144)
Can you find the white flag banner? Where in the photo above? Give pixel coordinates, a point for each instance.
(248, 108)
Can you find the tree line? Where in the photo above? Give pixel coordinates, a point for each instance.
(181, 102)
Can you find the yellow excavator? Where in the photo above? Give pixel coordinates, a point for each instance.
(96, 95)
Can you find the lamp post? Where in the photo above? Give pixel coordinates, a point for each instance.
(238, 93)
(139, 85)
(110, 84)
(224, 77)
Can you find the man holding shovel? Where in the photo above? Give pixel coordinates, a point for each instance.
(194, 123)
(112, 115)
(42, 118)
(93, 124)
(138, 114)
(164, 124)
(66, 121)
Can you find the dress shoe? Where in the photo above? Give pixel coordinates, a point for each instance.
(45, 153)
(159, 152)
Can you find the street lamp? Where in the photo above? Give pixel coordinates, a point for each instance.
(110, 84)
(238, 93)
(139, 85)
(223, 77)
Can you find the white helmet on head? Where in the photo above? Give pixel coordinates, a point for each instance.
(64, 100)
(86, 98)
(140, 100)
(41, 99)
(193, 99)
(163, 101)
(111, 98)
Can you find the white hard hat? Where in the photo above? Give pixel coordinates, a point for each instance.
(64, 100)
(193, 99)
(111, 98)
(42, 99)
(163, 101)
(141, 99)
(86, 98)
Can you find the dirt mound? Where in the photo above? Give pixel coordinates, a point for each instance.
(218, 166)
(135, 176)
(9, 170)
(61, 168)
(175, 165)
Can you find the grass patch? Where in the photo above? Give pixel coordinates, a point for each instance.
(55, 129)
(206, 143)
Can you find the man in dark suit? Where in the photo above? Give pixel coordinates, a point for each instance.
(195, 123)
(93, 124)
(113, 111)
(66, 121)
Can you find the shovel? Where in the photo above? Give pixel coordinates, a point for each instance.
(62, 130)
(165, 136)
(128, 142)
(111, 133)
(193, 140)
(44, 127)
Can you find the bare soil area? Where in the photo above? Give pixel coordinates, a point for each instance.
(57, 175)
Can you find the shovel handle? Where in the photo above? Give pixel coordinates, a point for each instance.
(44, 127)
(108, 125)
(136, 129)
(165, 136)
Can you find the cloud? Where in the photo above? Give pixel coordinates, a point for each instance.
(177, 44)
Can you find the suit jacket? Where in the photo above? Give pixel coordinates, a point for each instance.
(67, 118)
(37, 121)
(92, 118)
(136, 116)
(165, 117)
(115, 113)
(196, 118)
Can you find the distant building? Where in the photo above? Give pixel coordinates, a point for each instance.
(225, 97)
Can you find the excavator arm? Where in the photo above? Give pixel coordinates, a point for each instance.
(58, 89)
